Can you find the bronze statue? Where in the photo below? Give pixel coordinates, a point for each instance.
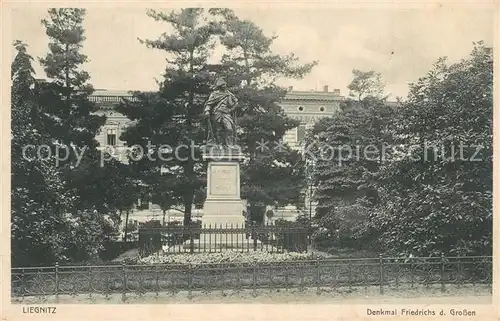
(220, 110)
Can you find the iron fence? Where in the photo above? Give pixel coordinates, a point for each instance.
(208, 238)
(321, 274)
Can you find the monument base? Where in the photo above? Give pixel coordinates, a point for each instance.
(224, 220)
(223, 208)
(221, 242)
(223, 213)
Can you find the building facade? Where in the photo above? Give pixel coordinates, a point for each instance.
(305, 106)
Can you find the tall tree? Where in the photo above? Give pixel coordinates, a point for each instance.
(68, 109)
(366, 84)
(38, 199)
(348, 150)
(45, 227)
(170, 119)
(67, 113)
(437, 195)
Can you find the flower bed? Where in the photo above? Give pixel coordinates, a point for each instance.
(229, 257)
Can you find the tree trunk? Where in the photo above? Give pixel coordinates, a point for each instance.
(189, 166)
(257, 212)
(66, 72)
(189, 195)
(188, 204)
(66, 67)
(247, 67)
(126, 227)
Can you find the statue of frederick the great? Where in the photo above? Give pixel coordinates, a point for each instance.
(220, 110)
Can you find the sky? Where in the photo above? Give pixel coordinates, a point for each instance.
(401, 44)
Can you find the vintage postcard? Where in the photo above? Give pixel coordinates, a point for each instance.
(284, 161)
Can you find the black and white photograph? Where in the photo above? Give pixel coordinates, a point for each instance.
(265, 155)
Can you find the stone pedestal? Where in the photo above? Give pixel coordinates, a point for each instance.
(223, 204)
(223, 207)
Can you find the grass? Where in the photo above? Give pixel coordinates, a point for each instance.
(335, 252)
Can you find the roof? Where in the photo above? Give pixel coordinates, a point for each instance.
(313, 96)
(118, 93)
(108, 98)
(116, 96)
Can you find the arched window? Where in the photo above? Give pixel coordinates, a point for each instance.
(301, 132)
(143, 202)
(111, 136)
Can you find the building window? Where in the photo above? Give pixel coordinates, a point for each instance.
(301, 108)
(143, 202)
(301, 132)
(111, 137)
(322, 109)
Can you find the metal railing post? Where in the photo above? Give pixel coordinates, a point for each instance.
(191, 241)
(124, 290)
(349, 271)
(442, 272)
(56, 279)
(381, 265)
(190, 282)
(254, 236)
(23, 284)
(318, 276)
(412, 277)
(157, 283)
(254, 278)
(90, 282)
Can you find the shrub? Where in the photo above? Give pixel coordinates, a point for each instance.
(294, 236)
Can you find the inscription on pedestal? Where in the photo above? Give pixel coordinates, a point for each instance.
(223, 180)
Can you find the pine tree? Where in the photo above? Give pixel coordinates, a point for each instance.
(349, 149)
(69, 112)
(45, 227)
(171, 117)
(64, 115)
(66, 112)
(38, 197)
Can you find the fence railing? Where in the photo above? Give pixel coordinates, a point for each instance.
(321, 274)
(209, 238)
